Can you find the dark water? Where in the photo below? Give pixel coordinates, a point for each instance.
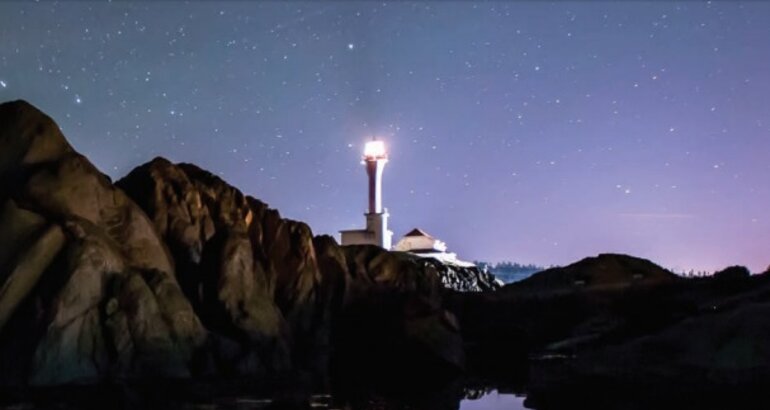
(453, 396)
(589, 397)
(491, 400)
(398, 391)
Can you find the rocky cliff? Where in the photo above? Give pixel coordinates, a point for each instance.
(88, 287)
(173, 273)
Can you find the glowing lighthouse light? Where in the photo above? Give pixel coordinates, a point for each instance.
(375, 150)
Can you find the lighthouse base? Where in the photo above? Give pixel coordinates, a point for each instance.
(376, 232)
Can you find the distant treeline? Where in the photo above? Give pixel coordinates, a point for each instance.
(694, 273)
(509, 272)
(735, 270)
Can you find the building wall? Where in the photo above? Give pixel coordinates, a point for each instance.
(358, 237)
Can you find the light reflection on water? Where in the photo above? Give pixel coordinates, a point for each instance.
(494, 401)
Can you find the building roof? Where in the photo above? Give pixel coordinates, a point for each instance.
(418, 232)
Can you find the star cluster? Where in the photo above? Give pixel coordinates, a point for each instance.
(527, 131)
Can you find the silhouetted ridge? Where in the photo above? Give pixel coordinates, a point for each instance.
(599, 271)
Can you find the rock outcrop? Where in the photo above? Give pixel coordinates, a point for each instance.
(222, 244)
(172, 273)
(88, 286)
(463, 278)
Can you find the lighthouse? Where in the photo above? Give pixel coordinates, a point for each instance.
(376, 231)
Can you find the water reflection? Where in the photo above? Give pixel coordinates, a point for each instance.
(493, 400)
(320, 402)
(452, 396)
(479, 400)
(487, 400)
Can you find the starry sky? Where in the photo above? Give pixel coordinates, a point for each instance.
(527, 131)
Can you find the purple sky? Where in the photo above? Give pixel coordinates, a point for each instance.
(522, 131)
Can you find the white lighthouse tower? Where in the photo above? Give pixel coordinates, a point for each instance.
(376, 232)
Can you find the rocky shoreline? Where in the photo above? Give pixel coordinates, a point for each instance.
(171, 277)
(172, 273)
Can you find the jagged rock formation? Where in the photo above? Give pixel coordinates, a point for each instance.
(226, 248)
(274, 287)
(88, 287)
(173, 273)
(462, 278)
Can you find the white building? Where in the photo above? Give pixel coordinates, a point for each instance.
(416, 242)
(376, 231)
(420, 243)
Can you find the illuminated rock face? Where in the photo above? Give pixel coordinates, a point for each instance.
(376, 231)
(173, 273)
(87, 286)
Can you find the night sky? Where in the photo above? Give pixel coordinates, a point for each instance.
(525, 131)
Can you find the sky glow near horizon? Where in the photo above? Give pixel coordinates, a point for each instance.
(525, 131)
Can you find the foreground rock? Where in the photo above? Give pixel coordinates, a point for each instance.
(88, 287)
(173, 273)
